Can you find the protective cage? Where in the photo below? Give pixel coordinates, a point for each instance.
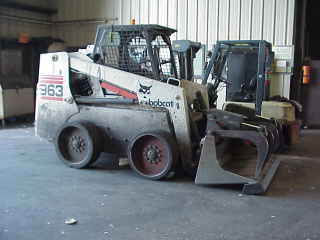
(140, 49)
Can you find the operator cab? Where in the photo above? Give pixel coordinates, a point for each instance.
(140, 49)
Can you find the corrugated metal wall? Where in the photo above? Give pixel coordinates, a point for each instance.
(211, 20)
(12, 28)
(200, 20)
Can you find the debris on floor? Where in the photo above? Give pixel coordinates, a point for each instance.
(70, 221)
(123, 162)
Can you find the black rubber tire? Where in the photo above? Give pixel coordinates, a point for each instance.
(90, 138)
(170, 150)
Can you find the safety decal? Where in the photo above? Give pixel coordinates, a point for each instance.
(118, 90)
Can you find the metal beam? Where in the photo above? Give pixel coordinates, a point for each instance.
(24, 19)
(46, 22)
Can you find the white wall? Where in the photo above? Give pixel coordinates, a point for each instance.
(211, 20)
(199, 20)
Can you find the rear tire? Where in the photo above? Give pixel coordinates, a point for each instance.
(78, 144)
(153, 155)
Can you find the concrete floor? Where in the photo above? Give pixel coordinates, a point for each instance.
(37, 194)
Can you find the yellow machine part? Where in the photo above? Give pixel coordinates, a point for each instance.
(270, 109)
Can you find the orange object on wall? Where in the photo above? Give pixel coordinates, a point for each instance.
(24, 38)
(306, 74)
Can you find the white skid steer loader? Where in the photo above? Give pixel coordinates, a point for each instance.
(126, 98)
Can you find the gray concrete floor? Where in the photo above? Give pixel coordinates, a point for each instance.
(37, 194)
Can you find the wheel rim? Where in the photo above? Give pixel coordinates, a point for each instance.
(73, 145)
(150, 156)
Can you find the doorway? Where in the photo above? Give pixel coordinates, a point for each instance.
(307, 45)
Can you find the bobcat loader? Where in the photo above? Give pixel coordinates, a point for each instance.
(126, 98)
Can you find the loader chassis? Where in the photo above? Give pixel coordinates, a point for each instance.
(126, 99)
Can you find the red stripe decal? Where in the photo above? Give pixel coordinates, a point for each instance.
(46, 78)
(52, 98)
(51, 77)
(57, 79)
(44, 75)
(118, 90)
(51, 81)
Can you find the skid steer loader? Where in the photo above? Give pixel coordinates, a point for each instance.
(126, 98)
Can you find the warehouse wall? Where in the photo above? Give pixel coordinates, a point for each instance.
(211, 20)
(81, 34)
(12, 28)
(200, 20)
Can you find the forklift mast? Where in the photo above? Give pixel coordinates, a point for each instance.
(185, 51)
